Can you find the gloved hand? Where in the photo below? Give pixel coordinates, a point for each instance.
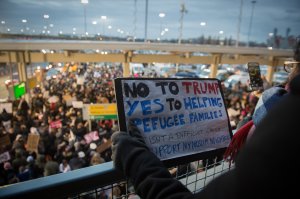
(125, 145)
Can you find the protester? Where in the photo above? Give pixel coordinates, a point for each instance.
(268, 99)
(50, 115)
(256, 173)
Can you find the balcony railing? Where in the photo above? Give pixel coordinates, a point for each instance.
(103, 179)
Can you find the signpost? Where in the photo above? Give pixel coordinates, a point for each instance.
(103, 111)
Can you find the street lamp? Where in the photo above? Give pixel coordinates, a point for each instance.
(103, 19)
(46, 17)
(161, 15)
(95, 23)
(3, 23)
(239, 25)
(84, 2)
(221, 32)
(202, 24)
(250, 25)
(24, 21)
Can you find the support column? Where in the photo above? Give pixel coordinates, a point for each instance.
(126, 69)
(22, 71)
(270, 70)
(126, 65)
(214, 66)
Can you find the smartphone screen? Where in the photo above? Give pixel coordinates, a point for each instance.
(256, 81)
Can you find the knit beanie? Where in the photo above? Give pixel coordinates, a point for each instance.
(267, 100)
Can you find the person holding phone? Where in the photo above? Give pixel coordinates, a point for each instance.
(255, 174)
(267, 100)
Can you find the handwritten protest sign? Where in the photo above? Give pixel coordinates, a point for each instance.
(68, 99)
(92, 136)
(33, 142)
(77, 104)
(4, 157)
(56, 124)
(103, 146)
(7, 106)
(4, 140)
(177, 117)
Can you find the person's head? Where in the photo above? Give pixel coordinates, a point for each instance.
(51, 168)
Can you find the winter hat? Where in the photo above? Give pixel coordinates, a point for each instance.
(81, 154)
(267, 100)
(29, 159)
(93, 146)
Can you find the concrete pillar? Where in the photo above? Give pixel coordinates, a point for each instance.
(271, 69)
(214, 66)
(126, 69)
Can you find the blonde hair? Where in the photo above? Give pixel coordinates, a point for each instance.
(96, 159)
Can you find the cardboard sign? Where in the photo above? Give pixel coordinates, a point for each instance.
(92, 136)
(4, 157)
(177, 117)
(77, 104)
(80, 80)
(33, 142)
(56, 124)
(102, 147)
(6, 106)
(4, 140)
(31, 82)
(7, 125)
(68, 99)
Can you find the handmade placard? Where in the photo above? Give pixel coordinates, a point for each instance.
(177, 117)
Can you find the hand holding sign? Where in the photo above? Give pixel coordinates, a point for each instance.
(120, 142)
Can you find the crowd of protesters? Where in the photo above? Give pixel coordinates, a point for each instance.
(63, 147)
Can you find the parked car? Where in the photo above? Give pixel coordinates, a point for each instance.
(183, 74)
(234, 79)
(280, 77)
(204, 73)
(222, 76)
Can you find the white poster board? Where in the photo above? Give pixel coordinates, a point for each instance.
(77, 104)
(7, 106)
(177, 117)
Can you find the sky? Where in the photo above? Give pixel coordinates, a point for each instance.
(127, 17)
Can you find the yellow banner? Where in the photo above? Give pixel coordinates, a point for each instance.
(103, 109)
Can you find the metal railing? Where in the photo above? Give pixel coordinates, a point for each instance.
(103, 180)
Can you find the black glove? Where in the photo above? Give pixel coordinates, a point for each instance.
(125, 145)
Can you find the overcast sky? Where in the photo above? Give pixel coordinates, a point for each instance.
(219, 15)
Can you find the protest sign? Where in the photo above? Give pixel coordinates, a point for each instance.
(33, 142)
(7, 106)
(77, 104)
(56, 124)
(7, 125)
(103, 146)
(177, 117)
(4, 157)
(92, 136)
(4, 140)
(103, 111)
(68, 99)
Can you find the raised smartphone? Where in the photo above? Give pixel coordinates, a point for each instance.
(256, 82)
